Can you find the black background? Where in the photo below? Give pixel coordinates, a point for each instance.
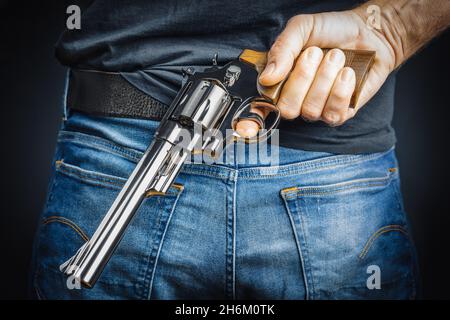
(31, 86)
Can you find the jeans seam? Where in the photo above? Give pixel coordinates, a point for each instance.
(377, 234)
(149, 258)
(234, 235)
(342, 190)
(96, 178)
(308, 271)
(331, 162)
(169, 218)
(92, 140)
(97, 142)
(308, 166)
(296, 191)
(299, 248)
(68, 223)
(229, 261)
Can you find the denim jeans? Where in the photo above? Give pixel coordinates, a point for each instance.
(316, 226)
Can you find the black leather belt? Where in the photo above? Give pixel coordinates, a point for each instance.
(109, 94)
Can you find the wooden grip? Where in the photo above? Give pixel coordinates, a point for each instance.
(359, 60)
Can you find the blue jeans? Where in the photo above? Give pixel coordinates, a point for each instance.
(318, 226)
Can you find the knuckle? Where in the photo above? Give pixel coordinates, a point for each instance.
(289, 113)
(332, 118)
(276, 49)
(279, 45)
(304, 69)
(288, 109)
(341, 121)
(327, 74)
(311, 112)
(342, 97)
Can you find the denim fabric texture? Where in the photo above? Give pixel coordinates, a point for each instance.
(308, 228)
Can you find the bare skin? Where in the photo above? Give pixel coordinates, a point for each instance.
(319, 87)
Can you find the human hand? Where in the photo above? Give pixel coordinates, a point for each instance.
(318, 86)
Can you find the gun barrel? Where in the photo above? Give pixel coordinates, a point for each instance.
(89, 262)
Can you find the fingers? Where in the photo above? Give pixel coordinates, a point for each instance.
(286, 49)
(297, 86)
(337, 109)
(320, 89)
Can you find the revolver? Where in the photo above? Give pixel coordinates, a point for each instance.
(209, 102)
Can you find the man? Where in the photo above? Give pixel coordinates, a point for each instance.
(327, 223)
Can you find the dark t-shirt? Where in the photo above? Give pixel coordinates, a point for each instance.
(149, 42)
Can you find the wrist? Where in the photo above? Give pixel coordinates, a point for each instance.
(390, 28)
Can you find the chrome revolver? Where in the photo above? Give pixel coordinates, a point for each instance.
(208, 103)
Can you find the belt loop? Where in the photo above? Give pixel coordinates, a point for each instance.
(65, 96)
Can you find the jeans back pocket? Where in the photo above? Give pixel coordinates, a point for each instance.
(347, 231)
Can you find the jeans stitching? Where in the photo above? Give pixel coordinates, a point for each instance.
(67, 222)
(229, 268)
(155, 263)
(93, 141)
(150, 260)
(293, 192)
(299, 249)
(246, 173)
(405, 232)
(377, 234)
(94, 177)
(306, 249)
(234, 236)
(342, 190)
(309, 165)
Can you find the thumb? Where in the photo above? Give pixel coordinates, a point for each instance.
(286, 49)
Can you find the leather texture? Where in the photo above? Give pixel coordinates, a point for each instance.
(109, 94)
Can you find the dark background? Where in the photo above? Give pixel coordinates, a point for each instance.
(31, 86)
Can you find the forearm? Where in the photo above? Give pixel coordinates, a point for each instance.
(409, 24)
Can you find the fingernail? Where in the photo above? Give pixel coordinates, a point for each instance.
(346, 75)
(314, 54)
(336, 56)
(268, 70)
